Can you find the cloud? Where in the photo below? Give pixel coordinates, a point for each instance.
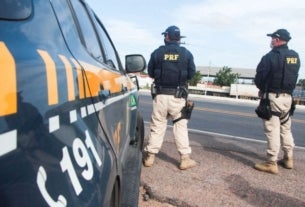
(240, 28)
(226, 33)
(130, 37)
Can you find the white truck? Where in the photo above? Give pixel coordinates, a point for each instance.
(244, 90)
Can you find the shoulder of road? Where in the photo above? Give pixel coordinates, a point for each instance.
(223, 177)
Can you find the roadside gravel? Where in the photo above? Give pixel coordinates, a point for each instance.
(224, 176)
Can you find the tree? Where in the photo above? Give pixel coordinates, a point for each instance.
(196, 79)
(225, 77)
(302, 83)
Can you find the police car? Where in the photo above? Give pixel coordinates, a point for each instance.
(70, 130)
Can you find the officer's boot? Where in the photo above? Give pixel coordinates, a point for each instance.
(186, 162)
(287, 162)
(149, 159)
(269, 167)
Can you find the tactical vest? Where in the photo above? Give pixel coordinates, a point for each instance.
(171, 66)
(285, 72)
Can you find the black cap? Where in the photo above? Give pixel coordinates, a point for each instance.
(173, 32)
(282, 34)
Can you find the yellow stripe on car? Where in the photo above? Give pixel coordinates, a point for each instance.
(51, 77)
(8, 87)
(69, 74)
(80, 79)
(98, 77)
(90, 80)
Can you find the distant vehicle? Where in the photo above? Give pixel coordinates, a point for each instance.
(70, 130)
(244, 91)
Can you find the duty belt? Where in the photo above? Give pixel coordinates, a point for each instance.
(280, 91)
(166, 91)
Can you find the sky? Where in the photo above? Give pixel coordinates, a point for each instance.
(218, 32)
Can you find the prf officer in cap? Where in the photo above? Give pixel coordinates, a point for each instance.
(170, 66)
(276, 76)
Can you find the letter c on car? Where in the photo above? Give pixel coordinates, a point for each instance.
(41, 182)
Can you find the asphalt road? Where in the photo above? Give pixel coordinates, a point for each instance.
(229, 117)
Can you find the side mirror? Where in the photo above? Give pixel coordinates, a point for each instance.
(134, 63)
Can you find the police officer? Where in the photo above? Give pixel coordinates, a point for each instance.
(170, 66)
(276, 77)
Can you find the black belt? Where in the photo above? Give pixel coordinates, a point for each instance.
(280, 91)
(166, 91)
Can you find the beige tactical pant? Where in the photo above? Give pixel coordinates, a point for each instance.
(165, 106)
(279, 134)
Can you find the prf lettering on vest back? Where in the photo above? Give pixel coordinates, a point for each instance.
(291, 60)
(171, 57)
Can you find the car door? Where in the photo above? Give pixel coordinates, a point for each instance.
(114, 96)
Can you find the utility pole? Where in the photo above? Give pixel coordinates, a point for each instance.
(236, 82)
(206, 84)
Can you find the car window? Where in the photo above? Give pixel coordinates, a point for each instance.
(15, 9)
(110, 52)
(87, 30)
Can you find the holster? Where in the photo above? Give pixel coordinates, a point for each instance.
(264, 109)
(292, 108)
(181, 92)
(186, 111)
(153, 90)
